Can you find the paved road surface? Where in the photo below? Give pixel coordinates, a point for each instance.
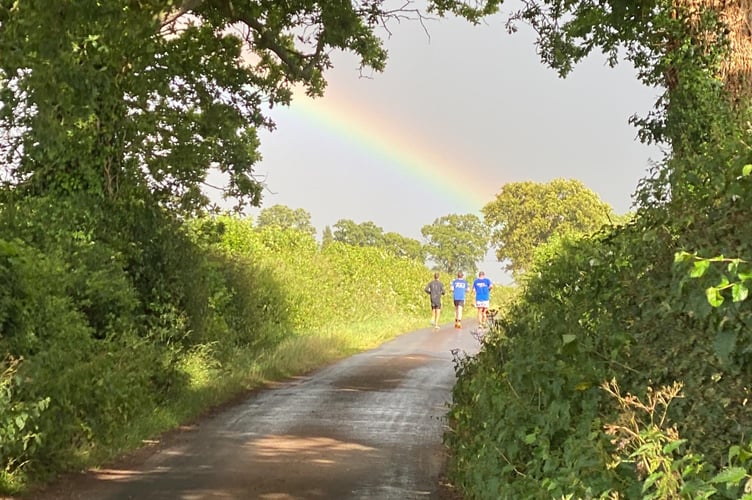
(368, 427)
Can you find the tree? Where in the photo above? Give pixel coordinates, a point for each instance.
(326, 236)
(123, 99)
(284, 217)
(456, 242)
(402, 246)
(365, 234)
(686, 47)
(524, 215)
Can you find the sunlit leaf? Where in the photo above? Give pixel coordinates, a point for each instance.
(682, 257)
(731, 475)
(739, 292)
(714, 296)
(699, 267)
(673, 445)
(747, 169)
(733, 266)
(652, 478)
(744, 276)
(733, 453)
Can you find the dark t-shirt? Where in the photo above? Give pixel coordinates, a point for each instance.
(435, 289)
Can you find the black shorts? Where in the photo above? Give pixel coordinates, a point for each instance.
(459, 303)
(435, 305)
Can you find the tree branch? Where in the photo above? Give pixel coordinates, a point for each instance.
(187, 6)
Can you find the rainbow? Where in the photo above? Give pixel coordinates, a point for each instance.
(400, 151)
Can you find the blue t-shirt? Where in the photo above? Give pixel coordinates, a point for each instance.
(482, 287)
(459, 287)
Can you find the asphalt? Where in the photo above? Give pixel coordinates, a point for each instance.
(368, 427)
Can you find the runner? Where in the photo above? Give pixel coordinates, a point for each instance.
(435, 289)
(459, 287)
(482, 288)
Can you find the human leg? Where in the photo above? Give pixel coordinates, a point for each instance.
(482, 306)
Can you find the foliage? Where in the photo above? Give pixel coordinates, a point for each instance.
(368, 234)
(284, 217)
(678, 47)
(456, 242)
(102, 351)
(327, 236)
(116, 117)
(537, 381)
(644, 438)
(738, 275)
(19, 429)
(362, 234)
(527, 418)
(155, 96)
(524, 215)
(402, 246)
(326, 285)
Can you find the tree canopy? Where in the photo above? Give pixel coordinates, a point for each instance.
(368, 234)
(456, 242)
(524, 215)
(123, 100)
(364, 234)
(402, 246)
(284, 217)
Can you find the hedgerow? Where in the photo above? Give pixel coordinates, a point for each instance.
(655, 302)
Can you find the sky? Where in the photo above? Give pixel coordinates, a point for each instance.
(458, 112)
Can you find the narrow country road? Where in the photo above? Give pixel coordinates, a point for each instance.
(368, 427)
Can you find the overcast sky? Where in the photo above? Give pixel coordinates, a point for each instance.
(451, 119)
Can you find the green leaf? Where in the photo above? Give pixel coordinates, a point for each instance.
(699, 268)
(739, 292)
(682, 257)
(744, 276)
(530, 438)
(652, 478)
(714, 296)
(724, 344)
(747, 169)
(733, 266)
(733, 453)
(731, 475)
(568, 338)
(670, 447)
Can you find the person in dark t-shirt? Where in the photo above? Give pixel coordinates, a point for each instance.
(435, 289)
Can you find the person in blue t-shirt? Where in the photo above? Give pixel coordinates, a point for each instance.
(482, 288)
(459, 287)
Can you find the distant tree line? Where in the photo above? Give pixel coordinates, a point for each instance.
(516, 223)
